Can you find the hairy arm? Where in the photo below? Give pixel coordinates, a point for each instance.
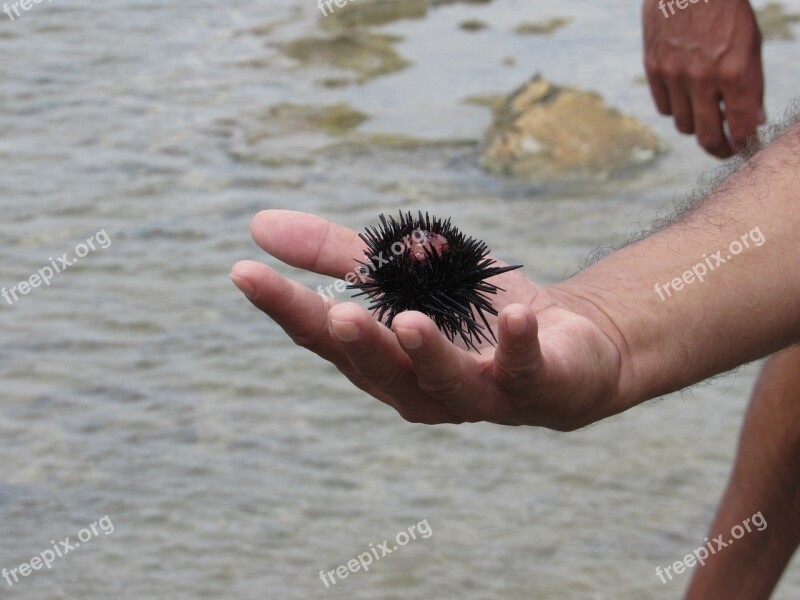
(745, 308)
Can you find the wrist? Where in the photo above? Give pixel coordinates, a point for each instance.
(595, 307)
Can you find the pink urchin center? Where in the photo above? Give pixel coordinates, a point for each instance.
(425, 240)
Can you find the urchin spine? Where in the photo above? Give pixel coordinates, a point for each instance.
(428, 265)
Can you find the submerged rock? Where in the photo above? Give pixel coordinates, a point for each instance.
(335, 82)
(284, 135)
(542, 27)
(493, 101)
(352, 46)
(774, 22)
(442, 2)
(542, 131)
(292, 135)
(368, 55)
(362, 143)
(289, 119)
(473, 25)
(366, 13)
(360, 13)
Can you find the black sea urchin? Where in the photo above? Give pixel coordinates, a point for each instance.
(428, 265)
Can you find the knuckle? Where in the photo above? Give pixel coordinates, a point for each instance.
(731, 75)
(672, 72)
(700, 75)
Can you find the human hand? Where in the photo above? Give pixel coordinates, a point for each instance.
(699, 57)
(552, 367)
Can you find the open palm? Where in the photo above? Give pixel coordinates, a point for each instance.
(551, 367)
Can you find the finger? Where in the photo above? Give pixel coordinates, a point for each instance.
(448, 374)
(307, 241)
(744, 104)
(374, 353)
(518, 361)
(758, 83)
(660, 94)
(681, 110)
(301, 313)
(708, 123)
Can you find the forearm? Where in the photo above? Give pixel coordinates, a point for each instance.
(745, 308)
(765, 480)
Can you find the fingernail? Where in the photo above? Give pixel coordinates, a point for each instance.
(346, 332)
(247, 288)
(409, 338)
(517, 323)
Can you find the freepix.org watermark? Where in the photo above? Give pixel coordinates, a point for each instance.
(56, 266)
(364, 560)
(322, 4)
(25, 5)
(700, 555)
(411, 243)
(709, 263)
(47, 557)
(681, 4)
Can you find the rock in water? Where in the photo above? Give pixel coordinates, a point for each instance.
(544, 132)
(361, 13)
(774, 22)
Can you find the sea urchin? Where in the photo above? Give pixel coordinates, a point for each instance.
(428, 265)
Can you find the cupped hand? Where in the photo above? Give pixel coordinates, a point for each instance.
(551, 367)
(704, 68)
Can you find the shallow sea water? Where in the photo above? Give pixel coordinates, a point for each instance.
(141, 385)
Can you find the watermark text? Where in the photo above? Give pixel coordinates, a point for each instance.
(410, 244)
(25, 5)
(56, 266)
(700, 555)
(47, 557)
(364, 560)
(709, 263)
(681, 4)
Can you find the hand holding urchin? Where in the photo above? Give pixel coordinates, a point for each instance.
(428, 265)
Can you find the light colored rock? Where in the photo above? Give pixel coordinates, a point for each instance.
(542, 27)
(542, 131)
(774, 22)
